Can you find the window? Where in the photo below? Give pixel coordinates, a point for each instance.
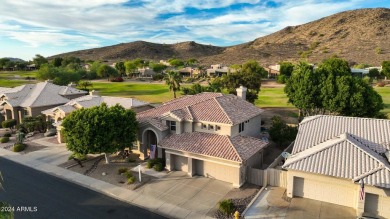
(172, 125)
(25, 111)
(203, 126)
(211, 127)
(247, 121)
(241, 127)
(217, 127)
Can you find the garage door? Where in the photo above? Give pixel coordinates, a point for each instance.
(181, 163)
(376, 205)
(324, 191)
(216, 171)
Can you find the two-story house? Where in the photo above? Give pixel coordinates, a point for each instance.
(31, 99)
(208, 134)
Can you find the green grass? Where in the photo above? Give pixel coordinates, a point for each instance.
(385, 93)
(8, 79)
(153, 93)
(272, 97)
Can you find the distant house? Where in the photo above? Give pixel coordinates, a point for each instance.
(218, 70)
(31, 99)
(208, 134)
(334, 155)
(273, 71)
(31, 67)
(359, 72)
(189, 72)
(57, 114)
(145, 72)
(165, 62)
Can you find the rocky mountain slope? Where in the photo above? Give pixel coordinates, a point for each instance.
(359, 36)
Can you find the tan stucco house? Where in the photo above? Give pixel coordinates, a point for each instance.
(57, 114)
(208, 134)
(32, 99)
(332, 155)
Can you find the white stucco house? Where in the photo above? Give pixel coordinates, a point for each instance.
(208, 134)
(333, 154)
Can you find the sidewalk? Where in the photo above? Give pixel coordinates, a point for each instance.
(143, 201)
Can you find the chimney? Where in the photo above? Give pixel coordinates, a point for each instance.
(93, 92)
(241, 92)
(72, 85)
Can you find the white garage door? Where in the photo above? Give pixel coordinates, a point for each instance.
(216, 171)
(181, 163)
(377, 205)
(324, 191)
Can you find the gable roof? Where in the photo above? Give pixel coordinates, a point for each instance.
(40, 94)
(207, 107)
(89, 101)
(238, 149)
(356, 153)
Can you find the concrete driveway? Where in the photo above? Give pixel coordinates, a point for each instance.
(272, 203)
(197, 194)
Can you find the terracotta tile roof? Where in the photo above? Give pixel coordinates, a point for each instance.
(239, 148)
(356, 153)
(208, 107)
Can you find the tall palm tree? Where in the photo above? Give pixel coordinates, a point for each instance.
(173, 80)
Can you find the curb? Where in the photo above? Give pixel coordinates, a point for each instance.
(96, 185)
(253, 200)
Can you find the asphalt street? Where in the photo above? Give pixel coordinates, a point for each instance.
(34, 194)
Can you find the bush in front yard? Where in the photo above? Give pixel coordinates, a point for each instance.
(131, 180)
(150, 163)
(122, 170)
(18, 147)
(158, 167)
(226, 206)
(7, 135)
(128, 174)
(4, 139)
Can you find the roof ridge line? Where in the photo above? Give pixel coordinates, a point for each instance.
(223, 110)
(310, 118)
(365, 148)
(234, 148)
(190, 113)
(370, 172)
(315, 149)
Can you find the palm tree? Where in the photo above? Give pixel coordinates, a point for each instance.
(173, 80)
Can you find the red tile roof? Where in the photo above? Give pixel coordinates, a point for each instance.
(239, 148)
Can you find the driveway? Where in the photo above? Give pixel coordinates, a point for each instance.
(272, 203)
(197, 194)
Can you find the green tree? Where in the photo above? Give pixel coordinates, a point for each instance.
(85, 84)
(94, 67)
(374, 73)
(173, 80)
(176, 62)
(386, 68)
(192, 61)
(100, 129)
(39, 60)
(131, 67)
(157, 67)
(120, 66)
(70, 60)
(106, 71)
(57, 62)
(10, 123)
(280, 132)
(286, 68)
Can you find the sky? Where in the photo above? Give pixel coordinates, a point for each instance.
(29, 27)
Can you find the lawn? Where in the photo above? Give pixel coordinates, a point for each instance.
(153, 93)
(385, 93)
(16, 78)
(272, 97)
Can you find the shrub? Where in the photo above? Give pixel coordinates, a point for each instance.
(131, 160)
(18, 147)
(131, 180)
(118, 79)
(4, 139)
(158, 167)
(226, 206)
(8, 123)
(122, 170)
(281, 79)
(78, 156)
(158, 77)
(128, 174)
(380, 84)
(7, 135)
(150, 163)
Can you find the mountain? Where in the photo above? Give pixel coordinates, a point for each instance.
(13, 59)
(359, 36)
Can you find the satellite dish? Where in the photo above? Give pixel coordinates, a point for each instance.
(286, 155)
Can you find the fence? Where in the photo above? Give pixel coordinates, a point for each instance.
(255, 176)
